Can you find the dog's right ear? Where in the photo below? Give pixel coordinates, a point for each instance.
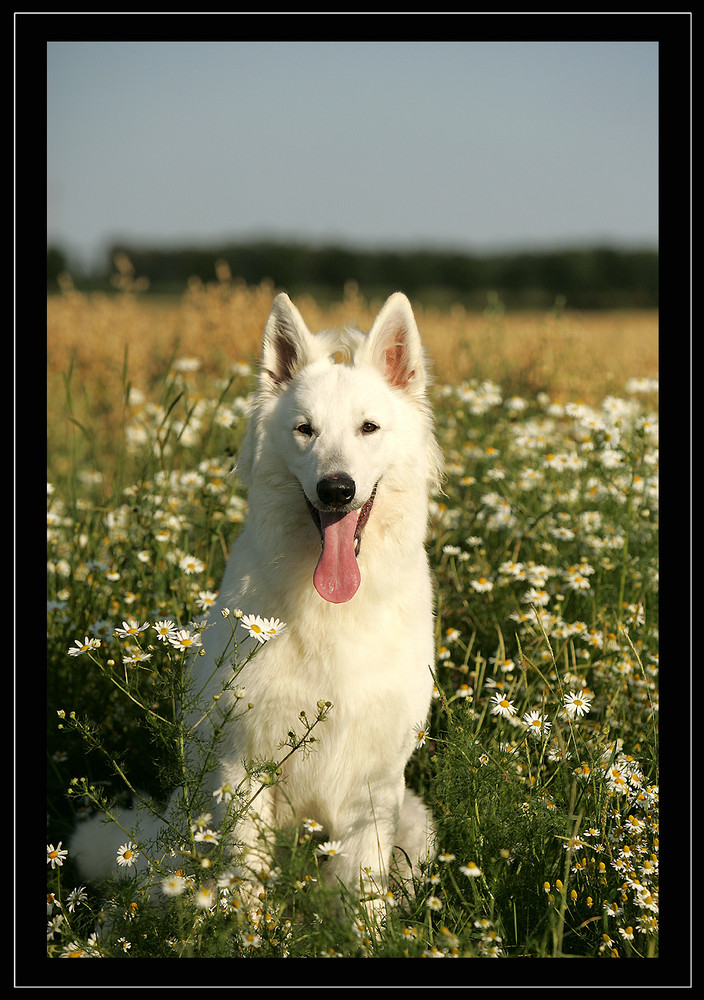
(287, 344)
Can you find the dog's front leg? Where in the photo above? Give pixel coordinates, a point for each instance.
(252, 839)
(366, 839)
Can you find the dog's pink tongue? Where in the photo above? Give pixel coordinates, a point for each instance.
(336, 576)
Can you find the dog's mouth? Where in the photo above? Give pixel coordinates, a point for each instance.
(337, 577)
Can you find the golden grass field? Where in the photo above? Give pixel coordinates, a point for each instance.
(544, 552)
(108, 340)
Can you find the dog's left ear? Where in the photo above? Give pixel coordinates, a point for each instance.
(394, 345)
(287, 345)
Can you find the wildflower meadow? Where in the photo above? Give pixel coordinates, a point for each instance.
(540, 755)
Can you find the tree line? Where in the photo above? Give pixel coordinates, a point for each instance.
(580, 278)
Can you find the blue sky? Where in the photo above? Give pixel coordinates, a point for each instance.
(472, 145)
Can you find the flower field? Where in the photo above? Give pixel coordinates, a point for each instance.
(540, 757)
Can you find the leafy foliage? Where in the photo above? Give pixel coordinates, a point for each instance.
(541, 756)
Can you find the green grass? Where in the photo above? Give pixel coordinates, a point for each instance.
(544, 549)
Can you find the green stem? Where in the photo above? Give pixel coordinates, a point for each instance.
(624, 550)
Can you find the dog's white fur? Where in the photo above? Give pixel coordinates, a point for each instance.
(368, 653)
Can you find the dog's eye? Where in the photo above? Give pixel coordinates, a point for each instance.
(369, 427)
(305, 429)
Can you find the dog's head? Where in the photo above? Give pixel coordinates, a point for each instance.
(343, 430)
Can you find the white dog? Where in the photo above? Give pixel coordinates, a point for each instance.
(339, 459)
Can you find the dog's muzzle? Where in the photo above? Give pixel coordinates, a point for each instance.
(337, 577)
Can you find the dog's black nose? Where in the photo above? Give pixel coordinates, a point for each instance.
(336, 490)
